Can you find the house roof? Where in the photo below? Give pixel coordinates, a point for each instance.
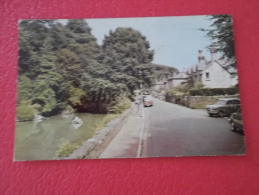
(159, 83)
(197, 66)
(181, 75)
(224, 65)
(188, 71)
(201, 66)
(193, 68)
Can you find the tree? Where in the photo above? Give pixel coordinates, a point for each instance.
(24, 89)
(128, 57)
(46, 85)
(63, 65)
(32, 35)
(221, 31)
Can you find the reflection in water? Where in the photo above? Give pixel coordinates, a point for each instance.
(76, 126)
(39, 140)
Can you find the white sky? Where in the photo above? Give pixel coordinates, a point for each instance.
(175, 40)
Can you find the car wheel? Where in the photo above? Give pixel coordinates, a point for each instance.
(210, 115)
(221, 113)
(233, 128)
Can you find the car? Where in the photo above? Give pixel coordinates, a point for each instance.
(236, 121)
(223, 107)
(147, 100)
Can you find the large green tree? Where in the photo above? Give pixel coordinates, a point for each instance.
(221, 32)
(128, 57)
(62, 65)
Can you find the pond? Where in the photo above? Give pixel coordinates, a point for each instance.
(40, 140)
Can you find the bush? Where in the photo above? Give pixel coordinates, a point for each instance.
(199, 86)
(179, 90)
(121, 104)
(106, 119)
(213, 91)
(25, 113)
(65, 148)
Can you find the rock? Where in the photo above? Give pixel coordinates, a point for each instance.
(77, 121)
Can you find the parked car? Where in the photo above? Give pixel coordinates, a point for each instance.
(147, 100)
(236, 121)
(224, 106)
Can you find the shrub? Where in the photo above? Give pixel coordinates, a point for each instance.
(106, 119)
(25, 113)
(179, 90)
(68, 109)
(213, 91)
(121, 104)
(65, 148)
(199, 86)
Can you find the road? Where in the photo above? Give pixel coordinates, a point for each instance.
(174, 130)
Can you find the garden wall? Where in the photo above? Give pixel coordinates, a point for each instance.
(200, 102)
(197, 102)
(93, 147)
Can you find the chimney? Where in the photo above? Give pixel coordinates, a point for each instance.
(213, 51)
(201, 57)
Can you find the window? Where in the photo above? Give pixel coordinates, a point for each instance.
(207, 75)
(221, 102)
(229, 102)
(236, 102)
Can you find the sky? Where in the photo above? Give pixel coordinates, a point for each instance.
(175, 40)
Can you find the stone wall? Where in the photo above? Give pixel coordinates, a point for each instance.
(200, 102)
(197, 102)
(181, 100)
(93, 147)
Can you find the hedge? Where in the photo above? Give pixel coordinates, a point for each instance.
(213, 91)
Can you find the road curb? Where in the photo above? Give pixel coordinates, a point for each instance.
(141, 134)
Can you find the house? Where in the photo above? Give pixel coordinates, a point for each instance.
(177, 79)
(213, 74)
(195, 72)
(159, 85)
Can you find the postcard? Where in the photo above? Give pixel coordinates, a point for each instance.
(127, 88)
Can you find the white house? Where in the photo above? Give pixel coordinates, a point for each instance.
(213, 74)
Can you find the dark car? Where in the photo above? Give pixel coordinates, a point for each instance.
(224, 106)
(236, 121)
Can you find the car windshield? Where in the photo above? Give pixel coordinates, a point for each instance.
(147, 98)
(221, 102)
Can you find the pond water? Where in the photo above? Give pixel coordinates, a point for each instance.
(40, 140)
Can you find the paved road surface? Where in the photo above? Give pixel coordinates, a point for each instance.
(173, 130)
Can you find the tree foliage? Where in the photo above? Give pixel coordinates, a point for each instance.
(62, 65)
(221, 31)
(128, 57)
(25, 112)
(162, 72)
